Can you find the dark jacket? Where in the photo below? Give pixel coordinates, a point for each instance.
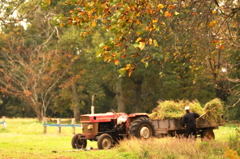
(189, 119)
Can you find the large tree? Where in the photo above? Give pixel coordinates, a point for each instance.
(199, 35)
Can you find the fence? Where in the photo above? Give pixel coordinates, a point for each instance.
(59, 125)
(3, 122)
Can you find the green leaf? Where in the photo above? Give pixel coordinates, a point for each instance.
(146, 64)
(122, 71)
(136, 45)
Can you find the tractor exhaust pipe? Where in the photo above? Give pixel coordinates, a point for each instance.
(92, 107)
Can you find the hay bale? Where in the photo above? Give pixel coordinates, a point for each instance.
(213, 110)
(170, 109)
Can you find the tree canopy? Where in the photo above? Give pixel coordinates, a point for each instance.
(127, 53)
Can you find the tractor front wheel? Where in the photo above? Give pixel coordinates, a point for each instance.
(142, 128)
(78, 143)
(105, 141)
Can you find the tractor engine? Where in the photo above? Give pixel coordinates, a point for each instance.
(93, 125)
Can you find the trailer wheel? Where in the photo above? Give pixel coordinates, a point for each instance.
(78, 143)
(105, 141)
(207, 135)
(142, 128)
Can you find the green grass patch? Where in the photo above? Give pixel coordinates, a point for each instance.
(24, 139)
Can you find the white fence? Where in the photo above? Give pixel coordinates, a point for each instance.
(59, 125)
(3, 122)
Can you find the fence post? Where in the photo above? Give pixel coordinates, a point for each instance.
(59, 122)
(44, 127)
(73, 128)
(4, 124)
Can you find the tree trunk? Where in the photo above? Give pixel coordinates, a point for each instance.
(75, 103)
(138, 93)
(221, 91)
(38, 112)
(119, 95)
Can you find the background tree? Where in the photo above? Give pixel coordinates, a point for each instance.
(31, 65)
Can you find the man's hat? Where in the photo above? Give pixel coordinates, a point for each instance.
(187, 108)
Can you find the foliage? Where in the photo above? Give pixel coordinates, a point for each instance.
(142, 25)
(197, 39)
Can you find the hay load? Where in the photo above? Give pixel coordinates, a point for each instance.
(213, 110)
(170, 109)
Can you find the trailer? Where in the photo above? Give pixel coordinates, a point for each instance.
(173, 127)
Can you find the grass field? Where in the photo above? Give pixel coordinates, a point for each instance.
(24, 139)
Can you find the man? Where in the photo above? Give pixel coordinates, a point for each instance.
(190, 120)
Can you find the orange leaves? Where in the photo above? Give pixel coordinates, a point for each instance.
(106, 48)
(119, 44)
(221, 47)
(94, 24)
(116, 62)
(69, 21)
(61, 25)
(129, 68)
(171, 6)
(194, 13)
(27, 93)
(212, 23)
(167, 14)
(154, 21)
(219, 44)
(214, 12)
(124, 56)
(47, 2)
(19, 48)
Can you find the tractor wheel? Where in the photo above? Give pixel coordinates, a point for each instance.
(78, 143)
(105, 141)
(142, 128)
(207, 135)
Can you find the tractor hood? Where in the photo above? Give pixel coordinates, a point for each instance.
(101, 117)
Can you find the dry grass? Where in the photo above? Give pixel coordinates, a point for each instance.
(173, 148)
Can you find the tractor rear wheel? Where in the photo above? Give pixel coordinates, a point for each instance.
(142, 128)
(78, 143)
(105, 141)
(207, 135)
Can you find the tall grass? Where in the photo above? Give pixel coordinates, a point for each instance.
(24, 139)
(172, 148)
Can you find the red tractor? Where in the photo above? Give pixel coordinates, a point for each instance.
(107, 129)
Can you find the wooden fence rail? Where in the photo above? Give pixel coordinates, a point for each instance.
(3, 122)
(59, 125)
